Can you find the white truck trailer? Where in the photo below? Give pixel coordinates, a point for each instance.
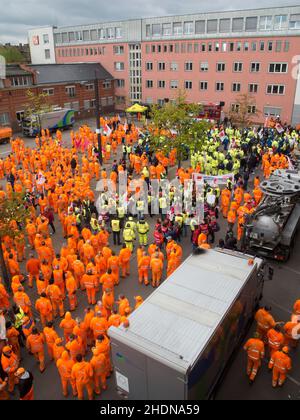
(180, 340)
(60, 118)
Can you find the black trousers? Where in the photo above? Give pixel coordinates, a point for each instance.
(52, 226)
(116, 237)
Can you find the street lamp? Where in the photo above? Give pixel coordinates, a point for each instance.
(97, 114)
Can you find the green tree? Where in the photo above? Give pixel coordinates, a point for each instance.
(37, 103)
(179, 118)
(243, 115)
(12, 211)
(12, 54)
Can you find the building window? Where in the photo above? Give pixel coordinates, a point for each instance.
(156, 29)
(236, 87)
(265, 23)
(171, 48)
(204, 66)
(196, 47)
(188, 66)
(65, 38)
(106, 84)
(224, 46)
(221, 67)
(189, 48)
(161, 84)
(188, 84)
(203, 85)
(270, 46)
(203, 47)
(174, 84)
(294, 22)
(217, 46)
(149, 84)
(278, 46)
(118, 49)
(177, 28)
(90, 86)
(239, 46)
(120, 100)
(46, 39)
(48, 91)
(165, 48)
(253, 46)
(147, 49)
(110, 32)
(4, 118)
(235, 107)
(86, 35)
(174, 66)
(94, 35)
(101, 33)
(47, 54)
(255, 67)
(161, 66)
(237, 67)
(159, 48)
(231, 46)
(148, 31)
(120, 83)
(278, 68)
(251, 109)
(119, 66)
(262, 45)
(119, 33)
(237, 24)
(70, 91)
(167, 29)
(188, 28)
(280, 22)
(275, 89)
(200, 27)
(224, 25)
(153, 48)
(57, 38)
(210, 46)
(21, 81)
(272, 111)
(212, 26)
(20, 115)
(251, 24)
(286, 46)
(149, 66)
(183, 48)
(219, 86)
(253, 88)
(246, 46)
(78, 36)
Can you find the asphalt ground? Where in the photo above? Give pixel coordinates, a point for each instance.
(280, 294)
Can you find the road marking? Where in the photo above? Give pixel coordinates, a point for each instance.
(292, 270)
(266, 361)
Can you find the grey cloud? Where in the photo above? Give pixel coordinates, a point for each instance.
(20, 15)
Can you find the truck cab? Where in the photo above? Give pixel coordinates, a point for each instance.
(5, 134)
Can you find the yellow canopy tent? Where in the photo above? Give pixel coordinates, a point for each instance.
(136, 108)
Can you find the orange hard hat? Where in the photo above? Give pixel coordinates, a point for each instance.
(6, 349)
(285, 350)
(138, 298)
(20, 372)
(126, 323)
(251, 261)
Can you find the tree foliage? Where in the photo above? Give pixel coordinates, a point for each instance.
(12, 54)
(174, 125)
(37, 103)
(13, 215)
(242, 116)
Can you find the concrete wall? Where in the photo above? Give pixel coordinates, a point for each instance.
(38, 47)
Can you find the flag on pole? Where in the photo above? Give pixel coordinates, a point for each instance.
(107, 130)
(279, 128)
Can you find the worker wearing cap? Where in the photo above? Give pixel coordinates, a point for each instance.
(143, 229)
(138, 301)
(255, 349)
(275, 339)
(281, 364)
(24, 380)
(129, 235)
(10, 364)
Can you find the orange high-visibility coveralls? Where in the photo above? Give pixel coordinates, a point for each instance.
(35, 344)
(67, 324)
(71, 287)
(12, 336)
(265, 321)
(143, 269)
(99, 326)
(65, 365)
(75, 347)
(58, 349)
(281, 364)
(275, 340)
(104, 347)
(21, 299)
(81, 331)
(114, 319)
(56, 297)
(113, 264)
(156, 265)
(90, 282)
(172, 265)
(31, 232)
(107, 281)
(82, 373)
(10, 365)
(289, 339)
(4, 298)
(50, 337)
(79, 270)
(44, 307)
(99, 365)
(58, 276)
(123, 306)
(33, 268)
(255, 349)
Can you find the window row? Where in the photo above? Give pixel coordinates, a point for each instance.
(79, 52)
(88, 35)
(71, 90)
(225, 25)
(236, 107)
(237, 66)
(21, 80)
(271, 89)
(220, 46)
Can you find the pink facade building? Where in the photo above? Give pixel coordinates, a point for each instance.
(213, 57)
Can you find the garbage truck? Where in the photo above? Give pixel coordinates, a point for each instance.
(59, 118)
(271, 230)
(181, 339)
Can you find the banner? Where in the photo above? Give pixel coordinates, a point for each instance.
(213, 180)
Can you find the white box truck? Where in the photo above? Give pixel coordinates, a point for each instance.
(182, 337)
(58, 119)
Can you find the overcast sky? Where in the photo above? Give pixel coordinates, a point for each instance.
(17, 16)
